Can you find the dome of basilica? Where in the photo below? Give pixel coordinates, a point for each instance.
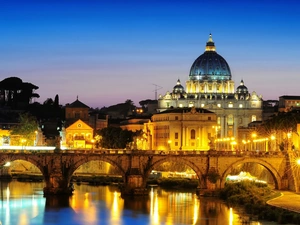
(178, 88)
(242, 89)
(210, 65)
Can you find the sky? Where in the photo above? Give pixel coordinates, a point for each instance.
(105, 52)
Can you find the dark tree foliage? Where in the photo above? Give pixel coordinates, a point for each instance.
(145, 103)
(115, 137)
(284, 122)
(16, 93)
(48, 110)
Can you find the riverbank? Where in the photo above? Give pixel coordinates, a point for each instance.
(255, 199)
(287, 200)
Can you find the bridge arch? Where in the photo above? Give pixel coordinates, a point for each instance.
(187, 162)
(274, 173)
(35, 162)
(84, 160)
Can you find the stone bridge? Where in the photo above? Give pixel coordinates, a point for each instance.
(135, 166)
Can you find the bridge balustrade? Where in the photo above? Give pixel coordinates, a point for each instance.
(57, 166)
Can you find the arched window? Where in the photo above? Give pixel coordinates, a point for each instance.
(193, 134)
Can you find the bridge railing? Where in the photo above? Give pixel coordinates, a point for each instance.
(141, 152)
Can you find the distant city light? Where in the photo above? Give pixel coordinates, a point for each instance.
(243, 176)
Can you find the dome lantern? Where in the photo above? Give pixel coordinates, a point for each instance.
(210, 45)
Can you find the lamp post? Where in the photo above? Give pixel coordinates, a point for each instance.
(93, 141)
(216, 134)
(253, 146)
(23, 141)
(169, 144)
(273, 147)
(289, 144)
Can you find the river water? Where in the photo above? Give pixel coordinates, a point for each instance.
(22, 203)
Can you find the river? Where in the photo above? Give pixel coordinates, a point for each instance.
(22, 203)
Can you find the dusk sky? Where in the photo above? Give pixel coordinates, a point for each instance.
(106, 52)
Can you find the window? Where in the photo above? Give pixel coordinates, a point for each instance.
(202, 105)
(176, 143)
(176, 135)
(209, 118)
(230, 105)
(219, 105)
(253, 118)
(176, 117)
(241, 105)
(193, 134)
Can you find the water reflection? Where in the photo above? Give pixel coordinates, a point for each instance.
(24, 204)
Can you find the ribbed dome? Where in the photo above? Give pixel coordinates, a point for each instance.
(242, 89)
(178, 88)
(210, 65)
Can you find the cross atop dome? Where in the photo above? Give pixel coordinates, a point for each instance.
(210, 45)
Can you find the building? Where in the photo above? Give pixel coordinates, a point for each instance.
(80, 126)
(288, 103)
(75, 111)
(210, 86)
(182, 129)
(79, 135)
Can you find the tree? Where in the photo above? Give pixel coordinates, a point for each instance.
(15, 92)
(114, 137)
(282, 124)
(25, 130)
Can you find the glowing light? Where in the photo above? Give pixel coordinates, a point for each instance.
(115, 208)
(243, 176)
(27, 147)
(7, 164)
(154, 212)
(230, 216)
(196, 211)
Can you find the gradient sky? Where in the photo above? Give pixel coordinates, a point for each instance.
(106, 52)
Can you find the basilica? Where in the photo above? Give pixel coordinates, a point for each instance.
(210, 86)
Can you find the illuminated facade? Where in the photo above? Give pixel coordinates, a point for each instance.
(78, 135)
(182, 129)
(210, 86)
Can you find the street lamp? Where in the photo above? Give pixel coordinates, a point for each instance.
(289, 143)
(253, 146)
(272, 142)
(169, 144)
(23, 141)
(93, 141)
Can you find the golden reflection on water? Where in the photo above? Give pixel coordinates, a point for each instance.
(29, 205)
(160, 207)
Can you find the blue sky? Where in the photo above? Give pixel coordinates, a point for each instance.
(106, 52)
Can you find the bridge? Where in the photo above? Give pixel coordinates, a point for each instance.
(135, 166)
